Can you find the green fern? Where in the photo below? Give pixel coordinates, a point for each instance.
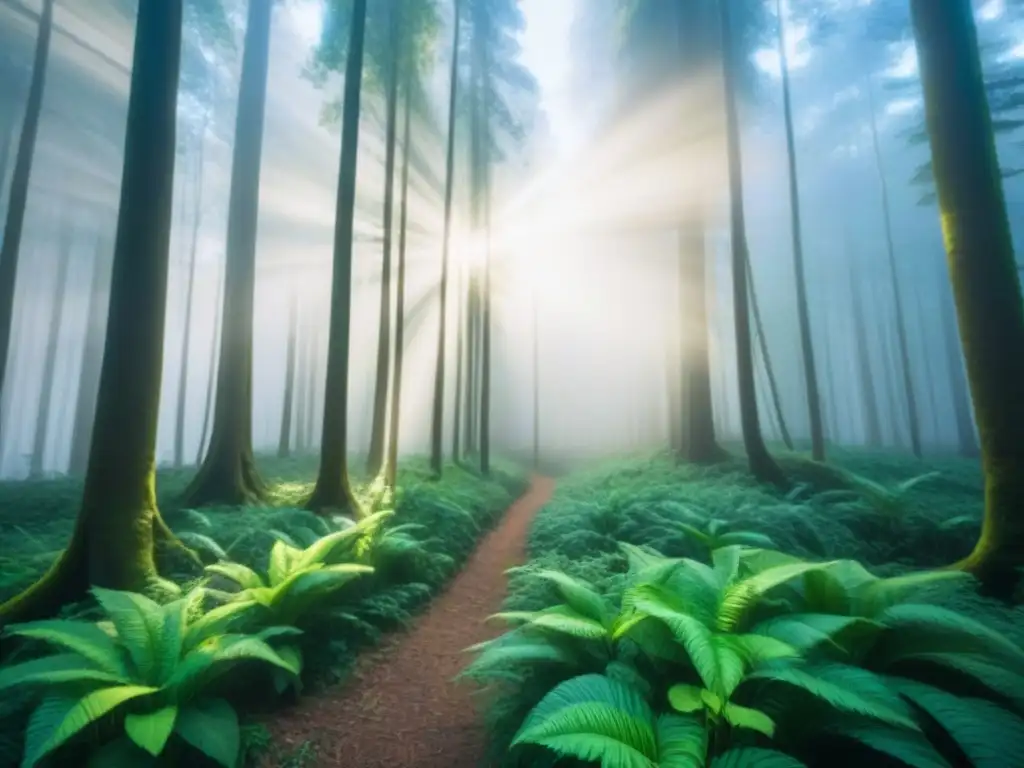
(151, 663)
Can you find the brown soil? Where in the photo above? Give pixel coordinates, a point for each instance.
(401, 708)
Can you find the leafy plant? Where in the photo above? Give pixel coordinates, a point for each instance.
(714, 534)
(151, 669)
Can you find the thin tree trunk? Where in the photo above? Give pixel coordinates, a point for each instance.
(6, 154)
(803, 312)
(762, 340)
(437, 415)
(872, 420)
(332, 490)
(901, 329)
(457, 409)
(378, 430)
(92, 359)
(762, 465)
(986, 285)
(60, 290)
(112, 544)
(403, 227)
(228, 473)
(284, 440)
(18, 194)
(211, 378)
(313, 366)
(186, 342)
(485, 340)
(302, 377)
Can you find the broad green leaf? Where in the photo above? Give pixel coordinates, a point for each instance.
(42, 724)
(211, 726)
(874, 598)
(989, 735)
(685, 698)
(755, 757)
(242, 575)
(909, 747)
(82, 637)
(139, 622)
(581, 597)
(216, 622)
(323, 551)
(990, 676)
(58, 669)
(90, 708)
(283, 560)
(559, 619)
(752, 719)
(121, 753)
(152, 729)
(591, 688)
(805, 631)
(682, 741)
(739, 597)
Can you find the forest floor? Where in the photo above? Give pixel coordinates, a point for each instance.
(401, 709)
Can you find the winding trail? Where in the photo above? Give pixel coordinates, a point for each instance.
(400, 708)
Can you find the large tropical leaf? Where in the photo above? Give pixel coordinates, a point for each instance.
(139, 622)
(211, 726)
(755, 757)
(581, 597)
(82, 637)
(151, 730)
(558, 619)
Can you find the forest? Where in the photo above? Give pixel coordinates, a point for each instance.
(513, 383)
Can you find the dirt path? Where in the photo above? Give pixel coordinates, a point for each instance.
(401, 709)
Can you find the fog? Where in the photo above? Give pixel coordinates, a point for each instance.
(583, 244)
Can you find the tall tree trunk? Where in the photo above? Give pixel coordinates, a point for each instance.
(302, 377)
(699, 444)
(437, 414)
(228, 473)
(485, 336)
(872, 420)
(762, 340)
(37, 461)
(186, 341)
(762, 465)
(803, 312)
(901, 329)
(284, 440)
(211, 378)
(92, 359)
(457, 408)
(403, 227)
(332, 490)
(6, 153)
(112, 544)
(18, 196)
(378, 430)
(986, 285)
(313, 368)
(967, 438)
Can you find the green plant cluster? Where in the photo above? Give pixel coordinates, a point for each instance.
(290, 596)
(728, 652)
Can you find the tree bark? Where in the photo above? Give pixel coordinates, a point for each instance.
(302, 377)
(211, 378)
(803, 312)
(17, 200)
(986, 285)
(769, 371)
(284, 440)
(378, 430)
(228, 474)
(92, 360)
(186, 342)
(437, 414)
(112, 544)
(967, 437)
(333, 490)
(762, 465)
(37, 462)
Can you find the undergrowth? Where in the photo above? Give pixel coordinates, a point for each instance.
(609, 663)
(290, 595)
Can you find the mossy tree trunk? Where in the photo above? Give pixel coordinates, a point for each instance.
(92, 359)
(986, 286)
(803, 312)
(333, 490)
(17, 200)
(228, 473)
(762, 465)
(37, 462)
(378, 430)
(113, 540)
(186, 341)
(967, 438)
(913, 417)
(391, 466)
(437, 411)
(284, 440)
